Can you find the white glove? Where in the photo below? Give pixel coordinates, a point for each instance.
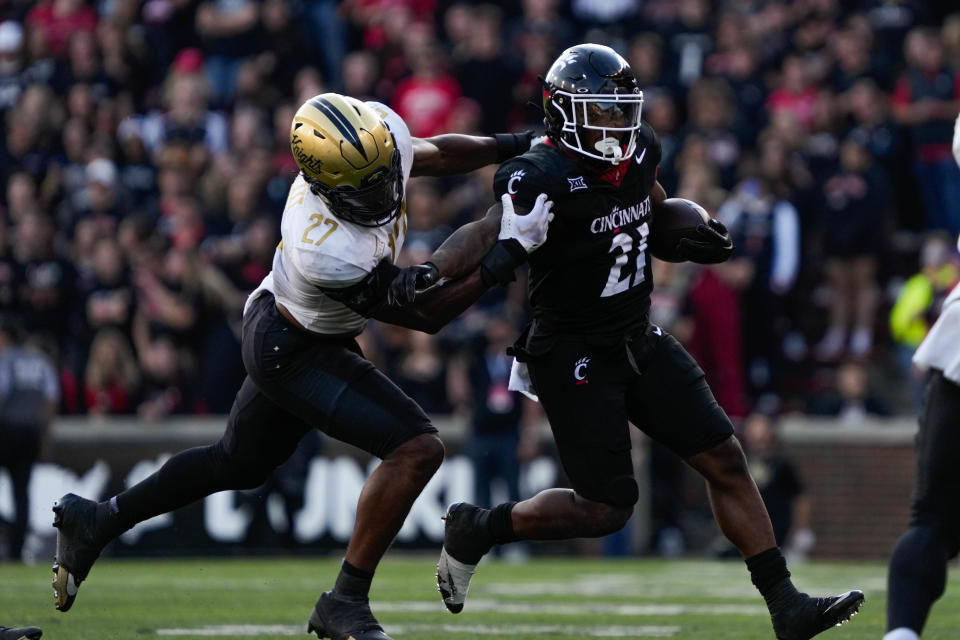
(529, 230)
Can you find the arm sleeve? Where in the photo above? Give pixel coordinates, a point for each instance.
(366, 296)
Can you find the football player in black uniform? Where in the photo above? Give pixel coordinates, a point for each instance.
(594, 359)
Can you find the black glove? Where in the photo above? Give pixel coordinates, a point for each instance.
(403, 290)
(712, 244)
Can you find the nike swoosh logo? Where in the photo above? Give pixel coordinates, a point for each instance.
(524, 232)
(639, 158)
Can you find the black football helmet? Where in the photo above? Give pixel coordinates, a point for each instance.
(592, 103)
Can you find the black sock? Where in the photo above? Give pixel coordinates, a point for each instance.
(478, 530)
(353, 582)
(109, 523)
(500, 524)
(917, 576)
(769, 574)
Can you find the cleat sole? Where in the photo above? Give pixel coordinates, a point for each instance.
(846, 607)
(64, 588)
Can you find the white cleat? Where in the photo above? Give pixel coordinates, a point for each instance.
(453, 580)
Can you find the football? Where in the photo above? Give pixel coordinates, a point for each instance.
(674, 219)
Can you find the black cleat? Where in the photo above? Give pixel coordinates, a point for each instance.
(340, 618)
(23, 633)
(77, 546)
(462, 550)
(805, 617)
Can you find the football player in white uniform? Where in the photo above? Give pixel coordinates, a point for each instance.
(342, 228)
(918, 566)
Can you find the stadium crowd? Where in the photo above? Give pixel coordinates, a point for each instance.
(145, 163)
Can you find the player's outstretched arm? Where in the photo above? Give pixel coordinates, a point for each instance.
(454, 153)
(413, 298)
(432, 309)
(498, 243)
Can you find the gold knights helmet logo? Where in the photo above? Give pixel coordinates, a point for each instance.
(349, 158)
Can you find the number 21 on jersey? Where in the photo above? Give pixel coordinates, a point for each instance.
(629, 247)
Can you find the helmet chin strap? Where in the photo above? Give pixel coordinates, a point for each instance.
(610, 149)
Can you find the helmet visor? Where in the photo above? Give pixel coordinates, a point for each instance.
(602, 126)
(615, 116)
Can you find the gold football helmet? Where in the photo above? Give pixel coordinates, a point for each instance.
(349, 158)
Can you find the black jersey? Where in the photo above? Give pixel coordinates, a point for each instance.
(592, 276)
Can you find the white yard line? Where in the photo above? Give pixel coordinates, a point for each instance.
(609, 631)
(481, 605)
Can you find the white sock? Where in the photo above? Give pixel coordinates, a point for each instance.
(902, 633)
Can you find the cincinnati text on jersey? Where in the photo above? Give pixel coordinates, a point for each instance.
(620, 217)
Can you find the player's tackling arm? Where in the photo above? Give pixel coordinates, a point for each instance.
(461, 252)
(454, 153)
(434, 308)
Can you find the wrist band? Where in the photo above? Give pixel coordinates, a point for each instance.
(498, 265)
(512, 144)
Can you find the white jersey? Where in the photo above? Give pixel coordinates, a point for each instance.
(941, 348)
(318, 249)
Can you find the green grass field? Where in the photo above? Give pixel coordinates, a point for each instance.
(555, 598)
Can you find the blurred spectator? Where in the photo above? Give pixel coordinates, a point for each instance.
(855, 207)
(28, 400)
(740, 67)
(47, 286)
(646, 59)
(851, 399)
(689, 39)
(483, 73)
(851, 49)
(421, 371)
(766, 231)
(500, 436)
(57, 20)
(780, 486)
(712, 113)
(919, 302)
(12, 78)
(228, 31)
(425, 99)
(327, 35)
(539, 19)
(926, 100)
(108, 295)
(795, 92)
(187, 123)
(870, 114)
(361, 71)
(112, 379)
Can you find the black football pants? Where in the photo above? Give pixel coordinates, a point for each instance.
(296, 382)
(918, 566)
